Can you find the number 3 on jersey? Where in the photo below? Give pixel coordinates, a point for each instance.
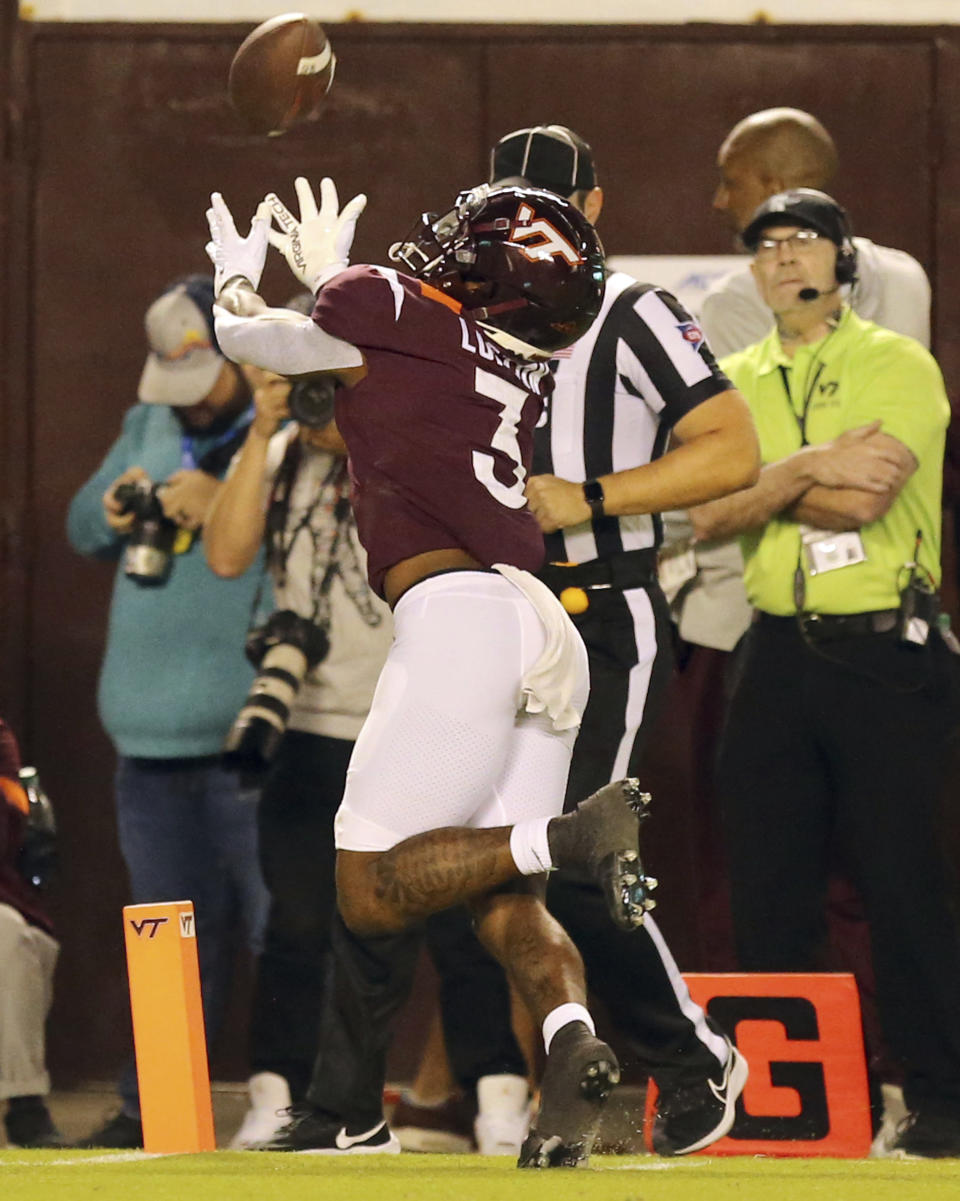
(511, 399)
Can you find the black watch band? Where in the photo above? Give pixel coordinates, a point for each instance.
(593, 495)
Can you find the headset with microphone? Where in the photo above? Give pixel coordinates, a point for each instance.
(815, 210)
(846, 269)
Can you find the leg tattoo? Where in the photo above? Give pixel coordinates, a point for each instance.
(384, 893)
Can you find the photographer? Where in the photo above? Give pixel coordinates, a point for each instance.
(174, 674)
(28, 957)
(291, 489)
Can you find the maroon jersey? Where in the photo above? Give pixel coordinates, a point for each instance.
(440, 430)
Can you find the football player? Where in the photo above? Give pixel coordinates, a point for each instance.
(455, 787)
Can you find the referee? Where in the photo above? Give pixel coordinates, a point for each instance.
(642, 372)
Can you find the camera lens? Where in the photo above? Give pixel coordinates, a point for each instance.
(255, 735)
(286, 648)
(312, 402)
(149, 551)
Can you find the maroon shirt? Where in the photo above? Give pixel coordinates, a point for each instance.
(14, 889)
(440, 430)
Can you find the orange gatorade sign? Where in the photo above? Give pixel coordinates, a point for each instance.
(168, 1033)
(807, 1089)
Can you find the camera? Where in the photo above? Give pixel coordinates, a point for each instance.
(312, 400)
(284, 649)
(150, 546)
(37, 861)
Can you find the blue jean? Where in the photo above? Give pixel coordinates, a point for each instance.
(188, 831)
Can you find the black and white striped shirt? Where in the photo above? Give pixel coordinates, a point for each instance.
(640, 368)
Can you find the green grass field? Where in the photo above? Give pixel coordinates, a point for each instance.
(233, 1176)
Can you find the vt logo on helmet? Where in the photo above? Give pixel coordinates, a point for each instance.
(523, 262)
(551, 241)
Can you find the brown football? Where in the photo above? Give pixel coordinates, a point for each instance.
(281, 73)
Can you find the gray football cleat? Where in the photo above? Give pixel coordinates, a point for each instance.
(602, 836)
(580, 1074)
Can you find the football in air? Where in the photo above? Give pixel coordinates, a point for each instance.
(281, 73)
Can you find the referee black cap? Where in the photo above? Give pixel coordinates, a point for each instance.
(805, 207)
(546, 156)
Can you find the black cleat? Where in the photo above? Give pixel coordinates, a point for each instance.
(925, 1136)
(315, 1132)
(602, 835)
(120, 1132)
(580, 1074)
(29, 1124)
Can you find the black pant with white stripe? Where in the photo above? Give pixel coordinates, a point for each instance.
(839, 746)
(628, 639)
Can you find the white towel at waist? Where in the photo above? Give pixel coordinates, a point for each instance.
(557, 683)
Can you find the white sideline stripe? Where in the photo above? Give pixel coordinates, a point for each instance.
(657, 1165)
(123, 1157)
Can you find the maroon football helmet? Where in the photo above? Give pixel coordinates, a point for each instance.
(523, 262)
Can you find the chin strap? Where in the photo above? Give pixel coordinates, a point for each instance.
(494, 310)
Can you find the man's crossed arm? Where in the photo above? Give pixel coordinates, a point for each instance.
(839, 485)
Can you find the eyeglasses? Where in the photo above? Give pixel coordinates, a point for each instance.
(802, 240)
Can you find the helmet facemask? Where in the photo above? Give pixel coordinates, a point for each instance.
(436, 241)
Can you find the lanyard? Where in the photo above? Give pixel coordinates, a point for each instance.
(811, 387)
(799, 579)
(801, 417)
(188, 458)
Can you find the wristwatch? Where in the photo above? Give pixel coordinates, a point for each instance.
(593, 495)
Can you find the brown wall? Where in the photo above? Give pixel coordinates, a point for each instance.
(115, 138)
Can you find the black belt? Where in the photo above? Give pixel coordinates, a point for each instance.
(626, 569)
(826, 626)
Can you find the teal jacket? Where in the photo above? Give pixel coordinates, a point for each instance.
(174, 673)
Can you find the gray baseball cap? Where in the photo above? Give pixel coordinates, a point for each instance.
(184, 360)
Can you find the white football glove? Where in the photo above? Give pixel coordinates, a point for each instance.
(234, 257)
(317, 247)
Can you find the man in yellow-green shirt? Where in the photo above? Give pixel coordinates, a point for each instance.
(835, 743)
(804, 398)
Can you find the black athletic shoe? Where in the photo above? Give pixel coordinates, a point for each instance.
(28, 1124)
(691, 1118)
(602, 835)
(926, 1136)
(580, 1074)
(314, 1132)
(119, 1132)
